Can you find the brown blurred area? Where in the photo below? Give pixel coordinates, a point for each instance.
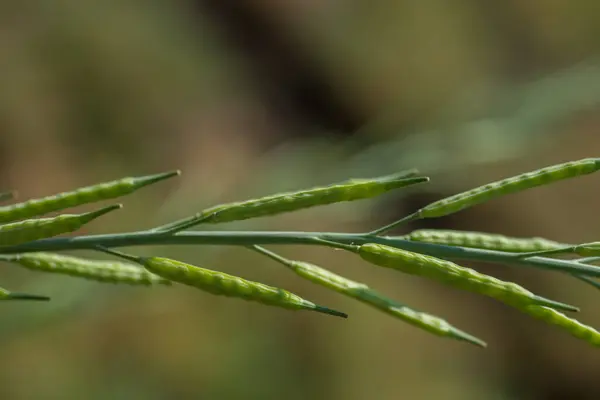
(250, 98)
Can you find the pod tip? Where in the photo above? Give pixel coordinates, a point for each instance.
(467, 337)
(542, 301)
(101, 211)
(26, 296)
(330, 311)
(151, 179)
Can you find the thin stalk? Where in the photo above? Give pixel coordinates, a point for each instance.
(564, 250)
(588, 280)
(235, 238)
(389, 227)
(588, 260)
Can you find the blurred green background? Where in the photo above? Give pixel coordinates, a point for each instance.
(253, 97)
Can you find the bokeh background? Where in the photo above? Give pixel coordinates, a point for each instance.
(258, 96)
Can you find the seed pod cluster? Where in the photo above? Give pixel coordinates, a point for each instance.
(510, 185)
(480, 240)
(355, 189)
(363, 293)
(454, 275)
(89, 194)
(41, 228)
(96, 270)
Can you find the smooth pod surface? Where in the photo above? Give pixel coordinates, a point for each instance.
(510, 185)
(454, 275)
(89, 194)
(41, 228)
(97, 270)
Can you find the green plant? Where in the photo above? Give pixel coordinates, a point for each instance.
(430, 254)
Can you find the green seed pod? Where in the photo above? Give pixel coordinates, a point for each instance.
(480, 240)
(41, 228)
(8, 295)
(572, 326)
(496, 242)
(510, 185)
(454, 275)
(587, 249)
(363, 293)
(354, 189)
(96, 270)
(89, 194)
(219, 283)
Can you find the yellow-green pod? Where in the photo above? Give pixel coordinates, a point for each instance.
(89, 194)
(220, 283)
(354, 189)
(365, 294)
(454, 275)
(480, 240)
(97, 270)
(8, 295)
(574, 327)
(41, 228)
(478, 195)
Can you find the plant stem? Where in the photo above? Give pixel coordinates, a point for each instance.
(235, 238)
(389, 227)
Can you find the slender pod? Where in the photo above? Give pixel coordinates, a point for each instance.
(219, 283)
(89, 194)
(481, 194)
(455, 275)
(365, 294)
(97, 270)
(8, 295)
(34, 229)
(354, 189)
(480, 240)
(574, 327)
(510, 185)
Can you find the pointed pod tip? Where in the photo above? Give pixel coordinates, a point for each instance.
(99, 212)
(329, 311)
(26, 296)
(557, 305)
(402, 180)
(467, 337)
(407, 173)
(151, 179)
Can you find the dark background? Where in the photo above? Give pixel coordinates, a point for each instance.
(253, 97)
